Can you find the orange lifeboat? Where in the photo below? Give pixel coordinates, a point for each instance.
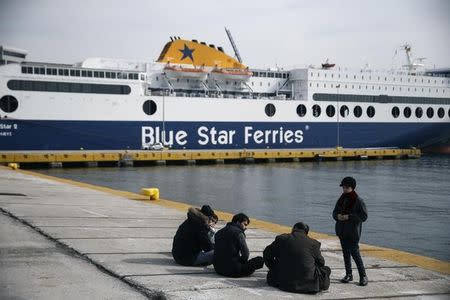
(175, 72)
(231, 74)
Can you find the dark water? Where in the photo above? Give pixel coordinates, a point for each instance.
(408, 200)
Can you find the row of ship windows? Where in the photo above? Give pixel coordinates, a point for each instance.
(378, 98)
(79, 73)
(68, 87)
(373, 87)
(344, 111)
(270, 74)
(226, 82)
(385, 78)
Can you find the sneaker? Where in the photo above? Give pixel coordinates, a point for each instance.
(347, 278)
(363, 281)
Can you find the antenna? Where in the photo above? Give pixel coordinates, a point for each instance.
(236, 51)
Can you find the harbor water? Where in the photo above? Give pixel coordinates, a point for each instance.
(408, 200)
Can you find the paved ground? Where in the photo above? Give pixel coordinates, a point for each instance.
(59, 240)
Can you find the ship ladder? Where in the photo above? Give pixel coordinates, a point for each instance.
(249, 88)
(205, 87)
(284, 83)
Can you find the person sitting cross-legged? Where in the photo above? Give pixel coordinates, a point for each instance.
(295, 262)
(231, 252)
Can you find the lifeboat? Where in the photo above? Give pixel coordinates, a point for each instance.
(231, 74)
(176, 72)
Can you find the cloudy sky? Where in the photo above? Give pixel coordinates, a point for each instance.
(268, 33)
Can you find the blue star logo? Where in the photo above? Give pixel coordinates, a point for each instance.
(187, 52)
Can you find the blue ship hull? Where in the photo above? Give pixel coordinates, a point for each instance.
(115, 135)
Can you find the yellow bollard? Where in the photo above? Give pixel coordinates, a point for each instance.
(13, 166)
(152, 192)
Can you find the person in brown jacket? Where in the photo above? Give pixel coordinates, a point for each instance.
(295, 262)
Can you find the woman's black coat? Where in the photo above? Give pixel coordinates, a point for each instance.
(191, 238)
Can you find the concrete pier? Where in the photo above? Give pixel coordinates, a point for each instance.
(64, 239)
(139, 157)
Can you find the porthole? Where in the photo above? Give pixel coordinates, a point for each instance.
(407, 112)
(395, 112)
(270, 110)
(371, 111)
(330, 111)
(316, 110)
(449, 112)
(8, 104)
(344, 111)
(357, 111)
(419, 112)
(441, 112)
(149, 107)
(301, 110)
(430, 112)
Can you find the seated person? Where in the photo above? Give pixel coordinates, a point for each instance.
(191, 244)
(231, 251)
(295, 262)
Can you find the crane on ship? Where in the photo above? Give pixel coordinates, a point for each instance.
(236, 51)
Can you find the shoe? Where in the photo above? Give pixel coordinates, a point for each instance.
(347, 278)
(363, 280)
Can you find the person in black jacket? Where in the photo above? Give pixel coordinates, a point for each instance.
(295, 262)
(231, 251)
(191, 244)
(350, 212)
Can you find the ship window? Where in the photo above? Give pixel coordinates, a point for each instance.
(101, 74)
(407, 112)
(301, 110)
(260, 83)
(362, 77)
(325, 75)
(108, 74)
(310, 84)
(130, 76)
(149, 107)
(346, 75)
(24, 69)
(66, 72)
(324, 85)
(113, 75)
(89, 73)
(332, 76)
(268, 84)
(371, 111)
(77, 73)
(270, 110)
(330, 111)
(72, 72)
(316, 110)
(67, 87)
(395, 112)
(83, 74)
(430, 112)
(318, 74)
(345, 86)
(354, 76)
(8, 104)
(317, 85)
(419, 112)
(440, 112)
(49, 71)
(344, 111)
(96, 74)
(311, 73)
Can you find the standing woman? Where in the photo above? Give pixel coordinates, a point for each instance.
(350, 212)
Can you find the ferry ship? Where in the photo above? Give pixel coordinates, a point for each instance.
(195, 96)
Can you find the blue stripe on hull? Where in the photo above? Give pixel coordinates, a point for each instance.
(105, 135)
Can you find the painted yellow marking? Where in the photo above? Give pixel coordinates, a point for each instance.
(369, 250)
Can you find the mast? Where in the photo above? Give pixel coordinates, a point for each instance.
(236, 51)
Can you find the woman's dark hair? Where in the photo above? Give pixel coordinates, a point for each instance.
(240, 217)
